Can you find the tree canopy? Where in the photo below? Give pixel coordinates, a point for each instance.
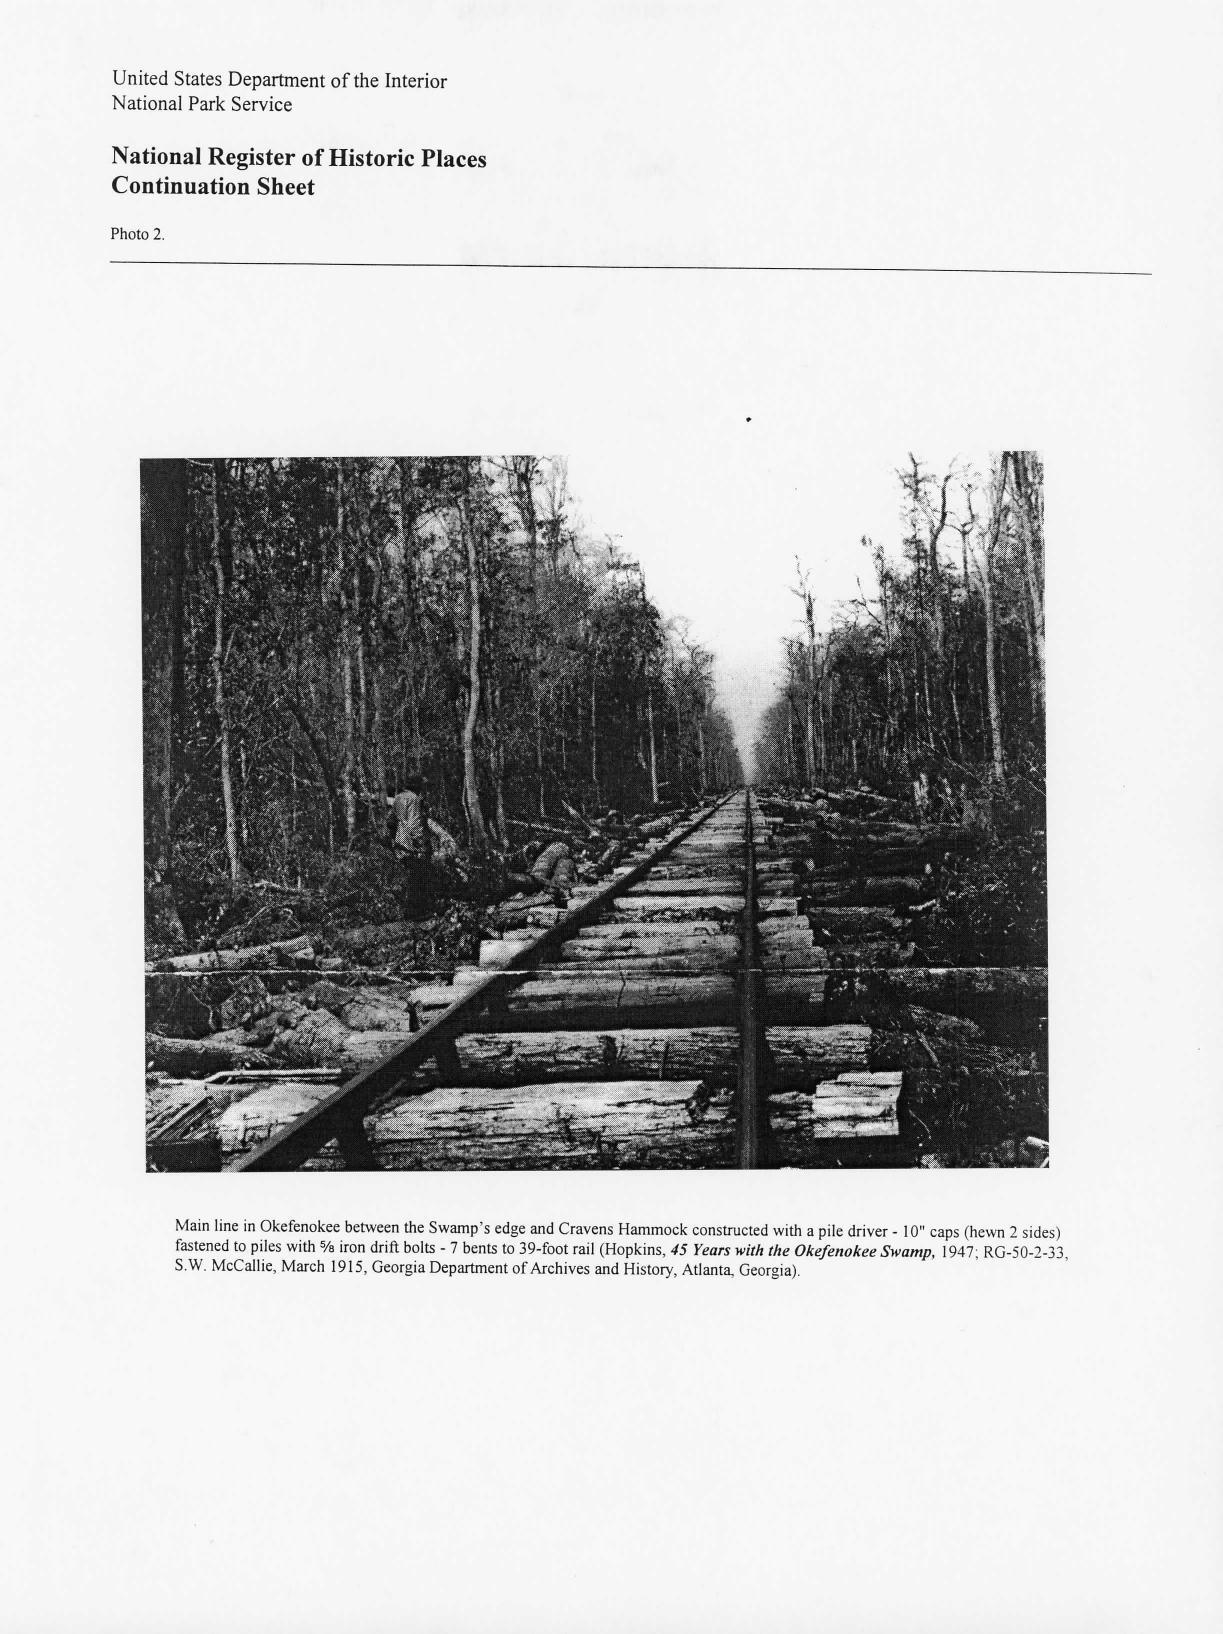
(316, 631)
(933, 677)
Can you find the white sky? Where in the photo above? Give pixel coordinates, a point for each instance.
(716, 530)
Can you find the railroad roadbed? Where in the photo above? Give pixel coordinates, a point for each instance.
(746, 990)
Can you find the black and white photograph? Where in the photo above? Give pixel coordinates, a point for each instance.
(476, 839)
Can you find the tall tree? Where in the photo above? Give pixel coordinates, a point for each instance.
(937, 672)
(222, 568)
(163, 549)
(467, 526)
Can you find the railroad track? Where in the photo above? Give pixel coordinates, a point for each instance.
(679, 1016)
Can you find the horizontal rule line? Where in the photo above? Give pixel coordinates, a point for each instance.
(645, 266)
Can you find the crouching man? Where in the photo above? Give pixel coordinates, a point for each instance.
(408, 832)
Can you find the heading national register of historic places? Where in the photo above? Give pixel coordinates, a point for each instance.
(178, 165)
(452, 860)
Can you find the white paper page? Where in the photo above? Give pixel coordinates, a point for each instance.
(764, 249)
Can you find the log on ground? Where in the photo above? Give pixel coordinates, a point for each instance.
(879, 954)
(631, 930)
(696, 870)
(800, 1055)
(782, 960)
(696, 885)
(1001, 999)
(200, 1057)
(776, 907)
(191, 1003)
(851, 1106)
(504, 1059)
(298, 950)
(250, 1121)
(836, 868)
(363, 1009)
(678, 945)
(302, 1037)
(588, 1002)
(677, 907)
(359, 938)
(623, 1123)
(644, 962)
(853, 923)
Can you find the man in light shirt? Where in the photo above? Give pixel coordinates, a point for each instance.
(408, 830)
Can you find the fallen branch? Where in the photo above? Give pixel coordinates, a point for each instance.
(200, 1057)
(298, 950)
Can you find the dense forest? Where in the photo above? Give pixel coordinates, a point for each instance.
(317, 631)
(930, 685)
(931, 682)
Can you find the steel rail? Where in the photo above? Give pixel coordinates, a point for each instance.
(750, 1129)
(340, 1115)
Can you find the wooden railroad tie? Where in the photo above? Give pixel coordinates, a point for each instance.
(682, 1014)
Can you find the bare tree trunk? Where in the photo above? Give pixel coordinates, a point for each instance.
(493, 694)
(371, 759)
(955, 708)
(349, 775)
(471, 788)
(524, 467)
(319, 750)
(937, 526)
(991, 674)
(363, 704)
(823, 698)
(809, 608)
(1029, 526)
(539, 752)
(1035, 690)
(381, 787)
(294, 855)
(406, 521)
(218, 685)
(163, 551)
(418, 742)
(986, 573)
(649, 706)
(594, 726)
(679, 743)
(243, 817)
